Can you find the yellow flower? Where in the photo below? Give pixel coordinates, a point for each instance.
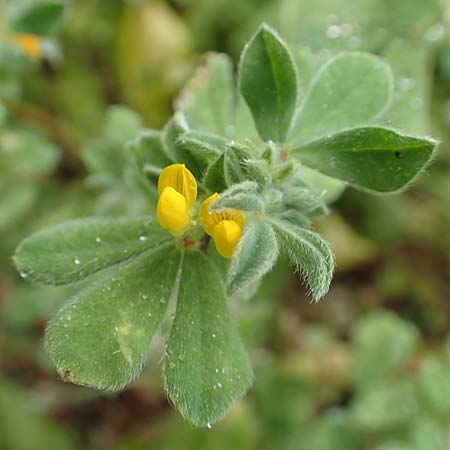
(225, 227)
(29, 43)
(177, 190)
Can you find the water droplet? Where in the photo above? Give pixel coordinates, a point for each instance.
(97, 239)
(162, 300)
(208, 425)
(143, 238)
(77, 261)
(23, 274)
(214, 335)
(145, 296)
(219, 384)
(334, 31)
(217, 370)
(116, 328)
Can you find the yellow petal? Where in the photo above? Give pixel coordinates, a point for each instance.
(172, 211)
(181, 179)
(206, 217)
(226, 235)
(29, 43)
(210, 219)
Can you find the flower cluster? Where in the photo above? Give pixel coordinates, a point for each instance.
(177, 189)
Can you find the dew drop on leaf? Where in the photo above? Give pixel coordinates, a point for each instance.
(77, 261)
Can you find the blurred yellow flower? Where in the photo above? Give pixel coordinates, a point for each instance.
(225, 227)
(29, 43)
(177, 190)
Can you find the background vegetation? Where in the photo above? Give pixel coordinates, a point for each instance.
(368, 368)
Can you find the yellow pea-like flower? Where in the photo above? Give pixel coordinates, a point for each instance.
(177, 190)
(226, 235)
(29, 43)
(225, 227)
(181, 179)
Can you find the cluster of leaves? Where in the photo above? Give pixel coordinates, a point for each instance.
(266, 149)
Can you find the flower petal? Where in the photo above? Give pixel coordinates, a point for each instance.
(172, 211)
(178, 177)
(226, 236)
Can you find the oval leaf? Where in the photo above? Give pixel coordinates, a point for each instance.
(255, 255)
(207, 101)
(310, 255)
(101, 337)
(206, 367)
(374, 158)
(268, 83)
(74, 250)
(350, 90)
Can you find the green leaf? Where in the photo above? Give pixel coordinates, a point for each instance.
(350, 90)
(101, 157)
(16, 200)
(383, 343)
(254, 256)
(74, 250)
(242, 196)
(204, 147)
(36, 16)
(383, 407)
(207, 100)
(26, 154)
(268, 83)
(373, 158)
(101, 337)
(310, 255)
(206, 367)
(121, 124)
(214, 179)
(434, 386)
(175, 150)
(150, 154)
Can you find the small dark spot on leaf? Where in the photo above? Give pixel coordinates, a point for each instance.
(398, 154)
(66, 376)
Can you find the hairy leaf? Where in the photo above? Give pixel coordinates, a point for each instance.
(74, 250)
(374, 158)
(350, 90)
(36, 16)
(208, 98)
(150, 154)
(242, 196)
(101, 337)
(310, 255)
(206, 367)
(255, 255)
(268, 83)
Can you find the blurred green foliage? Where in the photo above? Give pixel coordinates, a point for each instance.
(369, 367)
